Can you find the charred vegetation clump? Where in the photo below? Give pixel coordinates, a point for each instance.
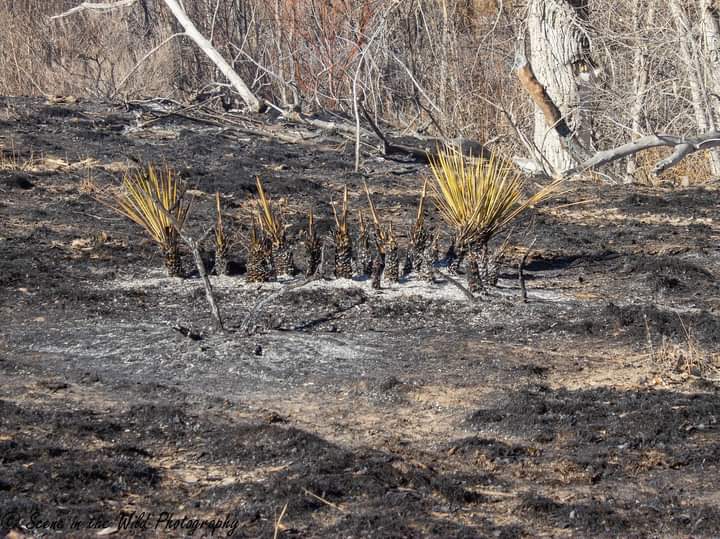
(343, 241)
(419, 237)
(387, 260)
(260, 268)
(222, 240)
(272, 224)
(313, 247)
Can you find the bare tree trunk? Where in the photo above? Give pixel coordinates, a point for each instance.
(640, 77)
(226, 69)
(710, 17)
(558, 43)
(699, 90)
(710, 13)
(686, 50)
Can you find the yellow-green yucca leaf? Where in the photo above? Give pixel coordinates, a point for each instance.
(341, 222)
(270, 222)
(143, 190)
(479, 198)
(380, 231)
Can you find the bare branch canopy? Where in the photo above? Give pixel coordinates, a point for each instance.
(193, 33)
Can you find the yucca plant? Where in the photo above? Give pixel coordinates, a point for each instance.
(143, 193)
(313, 247)
(273, 227)
(386, 244)
(490, 263)
(392, 256)
(429, 256)
(364, 259)
(259, 258)
(455, 256)
(477, 199)
(418, 237)
(222, 242)
(343, 242)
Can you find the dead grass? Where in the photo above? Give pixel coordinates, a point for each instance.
(694, 169)
(12, 161)
(84, 55)
(684, 360)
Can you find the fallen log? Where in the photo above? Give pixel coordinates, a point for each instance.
(426, 149)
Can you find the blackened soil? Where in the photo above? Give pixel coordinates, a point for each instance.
(408, 412)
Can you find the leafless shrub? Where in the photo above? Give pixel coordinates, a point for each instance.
(687, 359)
(438, 67)
(85, 55)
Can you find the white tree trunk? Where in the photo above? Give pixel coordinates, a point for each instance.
(226, 69)
(697, 81)
(640, 76)
(710, 15)
(556, 44)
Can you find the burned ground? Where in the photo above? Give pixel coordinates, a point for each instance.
(408, 412)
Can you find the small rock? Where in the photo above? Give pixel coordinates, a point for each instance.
(258, 351)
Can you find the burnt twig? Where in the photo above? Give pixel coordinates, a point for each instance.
(521, 268)
(194, 246)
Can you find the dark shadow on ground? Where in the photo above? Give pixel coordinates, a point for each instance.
(64, 463)
(628, 445)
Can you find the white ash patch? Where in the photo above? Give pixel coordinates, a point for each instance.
(408, 288)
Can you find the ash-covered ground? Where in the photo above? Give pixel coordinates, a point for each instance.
(405, 412)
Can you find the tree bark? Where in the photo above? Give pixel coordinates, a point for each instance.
(558, 43)
(640, 77)
(710, 15)
(697, 81)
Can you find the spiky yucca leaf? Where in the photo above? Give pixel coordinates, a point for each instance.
(220, 238)
(362, 226)
(379, 231)
(138, 203)
(478, 199)
(341, 222)
(270, 222)
(420, 216)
